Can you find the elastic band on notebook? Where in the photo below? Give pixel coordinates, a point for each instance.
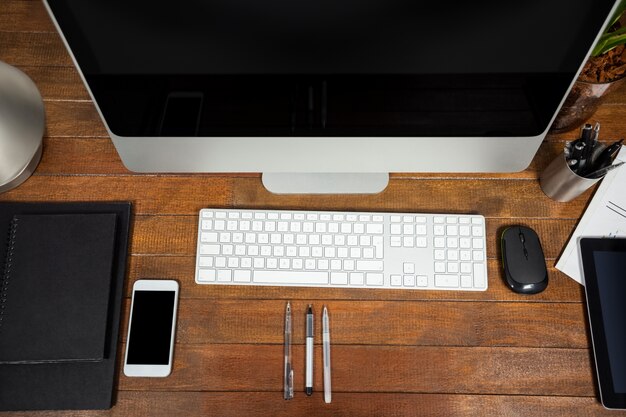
(7, 267)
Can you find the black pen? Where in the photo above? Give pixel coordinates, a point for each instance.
(586, 134)
(606, 156)
(602, 172)
(309, 351)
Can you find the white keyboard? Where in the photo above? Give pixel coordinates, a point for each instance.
(341, 249)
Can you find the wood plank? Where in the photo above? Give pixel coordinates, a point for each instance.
(58, 83)
(149, 194)
(410, 323)
(25, 16)
(33, 49)
(73, 119)
(499, 197)
(187, 194)
(393, 369)
(80, 156)
(257, 404)
(181, 268)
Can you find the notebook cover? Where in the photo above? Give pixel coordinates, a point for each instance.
(69, 385)
(54, 297)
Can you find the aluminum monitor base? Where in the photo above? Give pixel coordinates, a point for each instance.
(325, 183)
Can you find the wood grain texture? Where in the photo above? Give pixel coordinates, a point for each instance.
(395, 353)
(361, 368)
(408, 323)
(257, 404)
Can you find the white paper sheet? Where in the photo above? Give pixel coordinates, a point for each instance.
(605, 217)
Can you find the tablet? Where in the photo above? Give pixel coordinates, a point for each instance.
(604, 271)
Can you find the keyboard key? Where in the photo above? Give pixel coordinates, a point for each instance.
(209, 249)
(369, 265)
(479, 276)
(466, 281)
(242, 276)
(224, 275)
(208, 237)
(409, 281)
(339, 278)
(477, 231)
(374, 228)
(396, 280)
(206, 275)
(205, 261)
(290, 277)
(374, 279)
(357, 278)
(449, 281)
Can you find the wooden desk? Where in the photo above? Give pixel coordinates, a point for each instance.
(394, 353)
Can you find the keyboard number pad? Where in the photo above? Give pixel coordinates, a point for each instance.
(459, 252)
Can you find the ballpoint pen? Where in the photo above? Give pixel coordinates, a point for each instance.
(326, 354)
(605, 158)
(309, 351)
(602, 172)
(288, 382)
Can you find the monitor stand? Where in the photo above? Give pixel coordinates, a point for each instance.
(325, 183)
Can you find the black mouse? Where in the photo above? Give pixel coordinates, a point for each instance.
(523, 260)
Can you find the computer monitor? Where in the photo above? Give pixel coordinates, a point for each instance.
(352, 87)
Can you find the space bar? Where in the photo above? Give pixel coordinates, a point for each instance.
(290, 277)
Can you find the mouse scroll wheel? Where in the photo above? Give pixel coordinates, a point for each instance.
(521, 238)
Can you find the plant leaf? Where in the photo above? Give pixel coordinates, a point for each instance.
(618, 13)
(613, 42)
(609, 41)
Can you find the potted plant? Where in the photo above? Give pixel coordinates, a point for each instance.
(604, 71)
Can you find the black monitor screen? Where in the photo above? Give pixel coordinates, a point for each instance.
(329, 67)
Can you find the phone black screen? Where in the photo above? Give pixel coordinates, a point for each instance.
(151, 328)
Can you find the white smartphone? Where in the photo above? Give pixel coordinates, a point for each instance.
(151, 328)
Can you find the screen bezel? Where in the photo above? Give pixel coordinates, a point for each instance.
(608, 396)
(152, 370)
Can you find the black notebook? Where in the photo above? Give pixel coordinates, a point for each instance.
(55, 289)
(72, 384)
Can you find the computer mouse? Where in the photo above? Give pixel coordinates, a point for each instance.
(523, 260)
(22, 122)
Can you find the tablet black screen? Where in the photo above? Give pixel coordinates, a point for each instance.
(604, 264)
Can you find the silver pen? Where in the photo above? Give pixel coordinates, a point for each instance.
(326, 353)
(288, 375)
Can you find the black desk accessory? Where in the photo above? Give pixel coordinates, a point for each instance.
(85, 381)
(55, 293)
(523, 260)
(603, 264)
